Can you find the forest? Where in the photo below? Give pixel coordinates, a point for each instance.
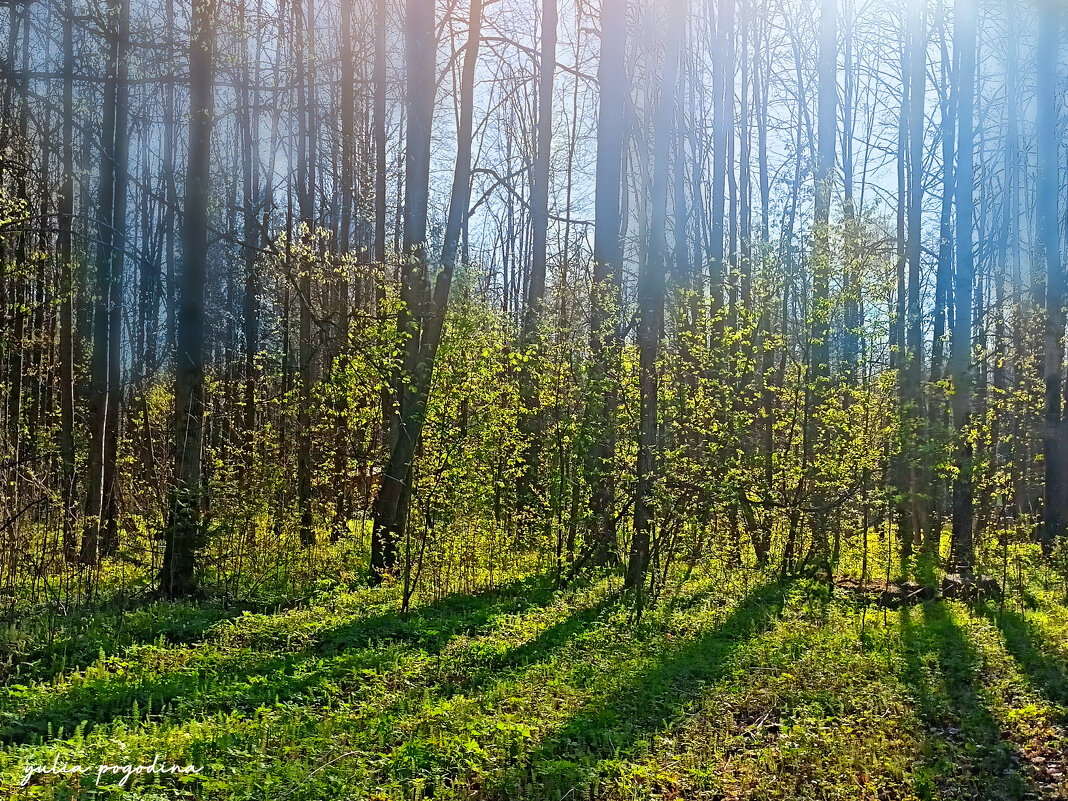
(533, 399)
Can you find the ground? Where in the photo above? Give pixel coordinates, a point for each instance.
(732, 686)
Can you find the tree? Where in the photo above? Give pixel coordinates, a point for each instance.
(819, 338)
(1055, 438)
(65, 245)
(607, 278)
(104, 393)
(911, 385)
(539, 215)
(965, 32)
(422, 316)
(183, 533)
(652, 286)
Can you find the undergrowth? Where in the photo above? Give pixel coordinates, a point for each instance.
(732, 686)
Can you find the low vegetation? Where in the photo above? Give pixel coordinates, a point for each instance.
(734, 685)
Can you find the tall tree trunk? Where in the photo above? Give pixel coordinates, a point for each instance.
(607, 279)
(306, 201)
(722, 122)
(850, 273)
(944, 277)
(539, 189)
(1056, 431)
(103, 392)
(110, 513)
(911, 387)
(341, 333)
(65, 244)
(944, 273)
(424, 335)
(247, 122)
(177, 578)
(965, 32)
(651, 303)
(389, 428)
(539, 218)
(820, 327)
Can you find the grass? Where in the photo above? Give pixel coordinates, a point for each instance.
(732, 687)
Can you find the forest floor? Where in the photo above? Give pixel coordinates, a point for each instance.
(726, 689)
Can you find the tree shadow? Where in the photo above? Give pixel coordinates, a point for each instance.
(111, 629)
(965, 752)
(496, 667)
(641, 706)
(1045, 671)
(433, 626)
(249, 678)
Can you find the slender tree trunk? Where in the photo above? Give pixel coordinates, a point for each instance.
(722, 122)
(850, 274)
(103, 390)
(250, 302)
(394, 495)
(65, 244)
(820, 329)
(944, 277)
(539, 217)
(1056, 431)
(539, 189)
(306, 201)
(378, 124)
(911, 388)
(944, 273)
(341, 333)
(965, 32)
(110, 512)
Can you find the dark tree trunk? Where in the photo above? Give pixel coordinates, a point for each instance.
(607, 278)
(820, 325)
(247, 121)
(65, 244)
(651, 291)
(420, 350)
(177, 578)
(539, 217)
(965, 32)
(103, 392)
(911, 387)
(306, 200)
(1056, 431)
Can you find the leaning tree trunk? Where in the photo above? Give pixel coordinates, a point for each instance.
(424, 336)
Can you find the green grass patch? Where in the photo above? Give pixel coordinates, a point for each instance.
(731, 687)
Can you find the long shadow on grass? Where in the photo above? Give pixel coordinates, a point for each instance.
(1043, 668)
(642, 705)
(109, 628)
(246, 679)
(433, 626)
(965, 754)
